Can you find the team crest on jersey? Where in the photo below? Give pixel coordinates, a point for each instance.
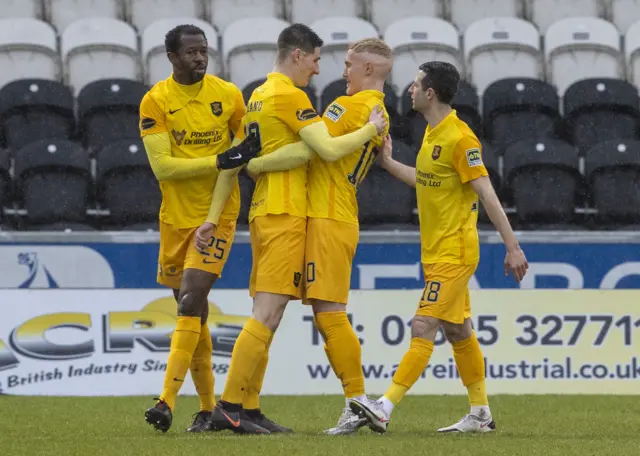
(435, 154)
(335, 111)
(178, 136)
(216, 108)
(473, 157)
(306, 114)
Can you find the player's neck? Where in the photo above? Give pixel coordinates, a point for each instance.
(184, 79)
(373, 85)
(285, 69)
(436, 114)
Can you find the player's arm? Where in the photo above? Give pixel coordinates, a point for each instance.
(406, 174)
(285, 158)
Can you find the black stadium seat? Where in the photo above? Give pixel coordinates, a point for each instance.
(338, 88)
(600, 109)
(543, 180)
(53, 181)
(612, 169)
(126, 184)
(520, 108)
(5, 181)
(249, 88)
(466, 105)
(385, 202)
(33, 109)
(61, 226)
(490, 160)
(109, 111)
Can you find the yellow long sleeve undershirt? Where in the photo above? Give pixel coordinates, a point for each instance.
(166, 167)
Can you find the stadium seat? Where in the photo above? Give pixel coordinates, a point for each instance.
(466, 103)
(490, 160)
(501, 47)
(416, 40)
(466, 12)
(154, 54)
(581, 48)
(108, 111)
(126, 185)
(61, 13)
(33, 109)
(246, 193)
(384, 12)
(145, 12)
(28, 48)
(543, 13)
(338, 33)
(338, 88)
(249, 57)
(21, 8)
(632, 53)
(520, 108)
(384, 202)
(99, 48)
(5, 181)
(60, 226)
(307, 11)
(53, 181)
(223, 12)
(612, 169)
(625, 13)
(543, 180)
(600, 109)
(248, 90)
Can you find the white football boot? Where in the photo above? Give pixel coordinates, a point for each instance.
(348, 423)
(472, 423)
(373, 411)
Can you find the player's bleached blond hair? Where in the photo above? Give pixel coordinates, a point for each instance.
(372, 46)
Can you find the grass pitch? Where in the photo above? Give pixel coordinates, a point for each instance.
(527, 425)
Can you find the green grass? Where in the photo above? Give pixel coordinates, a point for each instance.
(527, 425)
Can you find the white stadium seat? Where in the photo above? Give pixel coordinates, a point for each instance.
(21, 8)
(28, 49)
(417, 40)
(546, 12)
(144, 12)
(99, 48)
(249, 57)
(61, 13)
(307, 11)
(465, 12)
(338, 33)
(501, 47)
(625, 13)
(632, 53)
(581, 48)
(154, 56)
(384, 12)
(223, 12)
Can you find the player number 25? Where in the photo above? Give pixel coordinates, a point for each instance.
(219, 245)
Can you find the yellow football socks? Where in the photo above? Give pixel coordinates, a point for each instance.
(343, 350)
(252, 396)
(201, 370)
(413, 363)
(183, 344)
(470, 363)
(248, 351)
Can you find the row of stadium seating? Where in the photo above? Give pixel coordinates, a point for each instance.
(515, 109)
(98, 48)
(543, 182)
(140, 13)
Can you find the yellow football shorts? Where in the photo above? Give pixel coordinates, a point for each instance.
(446, 292)
(178, 252)
(277, 246)
(330, 248)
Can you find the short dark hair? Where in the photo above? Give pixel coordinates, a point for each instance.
(442, 77)
(173, 36)
(297, 36)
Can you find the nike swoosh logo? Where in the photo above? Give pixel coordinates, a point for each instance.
(205, 261)
(237, 157)
(173, 112)
(234, 423)
(485, 424)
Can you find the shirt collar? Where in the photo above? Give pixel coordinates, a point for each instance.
(180, 99)
(280, 77)
(432, 133)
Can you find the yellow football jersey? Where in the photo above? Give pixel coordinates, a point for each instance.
(450, 157)
(199, 119)
(332, 186)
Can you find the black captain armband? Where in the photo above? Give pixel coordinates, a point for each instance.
(240, 154)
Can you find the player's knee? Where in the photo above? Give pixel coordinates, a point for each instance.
(424, 327)
(191, 304)
(456, 333)
(269, 313)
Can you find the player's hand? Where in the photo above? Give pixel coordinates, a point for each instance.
(377, 118)
(203, 234)
(384, 156)
(240, 154)
(516, 262)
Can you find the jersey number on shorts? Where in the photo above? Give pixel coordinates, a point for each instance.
(364, 163)
(431, 291)
(219, 252)
(252, 128)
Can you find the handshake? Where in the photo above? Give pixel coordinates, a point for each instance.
(240, 154)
